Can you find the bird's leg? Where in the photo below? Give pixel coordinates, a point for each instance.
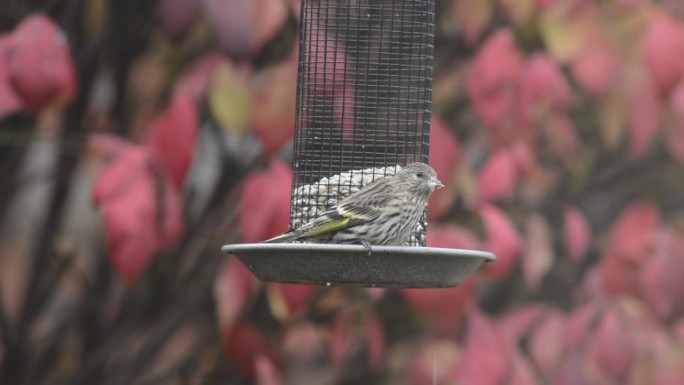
(367, 246)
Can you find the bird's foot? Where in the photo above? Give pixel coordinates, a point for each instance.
(367, 246)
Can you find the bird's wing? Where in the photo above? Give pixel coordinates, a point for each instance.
(347, 214)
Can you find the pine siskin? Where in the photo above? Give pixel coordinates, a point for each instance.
(383, 213)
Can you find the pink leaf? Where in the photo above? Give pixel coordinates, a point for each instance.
(675, 134)
(502, 239)
(442, 308)
(232, 24)
(596, 69)
(292, 298)
(10, 102)
(547, 345)
(434, 362)
(171, 136)
(452, 236)
(267, 372)
(198, 79)
(497, 178)
(522, 372)
(660, 279)
(543, 90)
(517, 12)
(613, 348)
(265, 203)
(664, 51)
(632, 235)
(644, 117)
(576, 233)
(472, 16)
(486, 360)
(39, 65)
(341, 337)
(538, 256)
(492, 87)
(177, 16)
(375, 340)
(445, 154)
(518, 323)
(272, 115)
(142, 212)
(618, 275)
(270, 17)
(564, 139)
(445, 308)
(244, 345)
(232, 289)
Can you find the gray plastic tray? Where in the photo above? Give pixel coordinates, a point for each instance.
(332, 264)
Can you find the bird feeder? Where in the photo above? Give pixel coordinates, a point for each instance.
(364, 92)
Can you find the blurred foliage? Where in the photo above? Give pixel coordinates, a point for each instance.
(137, 137)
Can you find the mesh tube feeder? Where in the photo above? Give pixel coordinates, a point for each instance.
(364, 92)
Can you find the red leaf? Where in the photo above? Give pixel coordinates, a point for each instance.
(632, 235)
(445, 154)
(497, 178)
(232, 289)
(597, 69)
(265, 203)
(644, 117)
(137, 223)
(538, 256)
(576, 233)
(486, 359)
(244, 345)
(492, 87)
(171, 136)
(502, 239)
(664, 51)
(39, 65)
(543, 90)
(272, 115)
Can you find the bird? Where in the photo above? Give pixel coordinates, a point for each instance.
(384, 212)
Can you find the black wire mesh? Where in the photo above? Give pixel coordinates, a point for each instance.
(364, 96)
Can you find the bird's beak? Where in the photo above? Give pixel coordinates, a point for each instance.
(436, 183)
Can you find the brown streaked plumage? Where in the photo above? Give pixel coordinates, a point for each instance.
(385, 212)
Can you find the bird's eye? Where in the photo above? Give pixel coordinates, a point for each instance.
(420, 174)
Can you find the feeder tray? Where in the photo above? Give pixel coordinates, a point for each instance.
(331, 264)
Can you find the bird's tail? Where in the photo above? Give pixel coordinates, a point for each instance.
(287, 237)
